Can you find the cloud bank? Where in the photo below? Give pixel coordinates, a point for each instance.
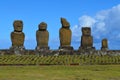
(105, 24)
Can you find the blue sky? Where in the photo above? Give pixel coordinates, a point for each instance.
(103, 16)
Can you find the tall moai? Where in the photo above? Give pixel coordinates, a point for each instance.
(104, 44)
(86, 39)
(17, 37)
(42, 37)
(65, 35)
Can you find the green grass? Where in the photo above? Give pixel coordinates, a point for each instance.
(84, 72)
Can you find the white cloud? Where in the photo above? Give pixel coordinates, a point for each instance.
(105, 24)
(76, 29)
(86, 21)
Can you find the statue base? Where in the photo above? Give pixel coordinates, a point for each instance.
(18, 50)
(66, 47)
(42, 51)
(65, 50)
(104, 49)
(38, 48)
(86, 48)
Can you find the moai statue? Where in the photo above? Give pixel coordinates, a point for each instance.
(65, 35)
(17, 38)
(86, 39)
(104, 44)
(42, 37)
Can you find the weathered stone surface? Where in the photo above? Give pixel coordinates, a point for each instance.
(86, 31)
(65, 23)
(18, 25)
(65, 35)
(104, 44)
(18, 50)
(17, 38)
(42, 37)
(86, 39)
(42, 26)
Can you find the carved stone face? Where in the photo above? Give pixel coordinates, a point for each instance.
(18, 25)
(42, 26)
(86, 31)
(65, 23)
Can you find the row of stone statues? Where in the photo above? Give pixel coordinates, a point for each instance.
(42, 37)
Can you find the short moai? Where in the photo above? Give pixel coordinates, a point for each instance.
(104, 44)
(86, 39)
(42, 37)
(17, 38)
(65, 35)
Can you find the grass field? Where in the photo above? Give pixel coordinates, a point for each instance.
(83, 72)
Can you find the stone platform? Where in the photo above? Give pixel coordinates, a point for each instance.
(62, 52)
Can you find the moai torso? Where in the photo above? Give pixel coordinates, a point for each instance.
(86, 38)
(42, 35)
(17, 36)
(65, 35)
(104, 44)
(87, 41)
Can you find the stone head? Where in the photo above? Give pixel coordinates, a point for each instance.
(65, 23)
(42, 26)
(18, 25)
(86, 31)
